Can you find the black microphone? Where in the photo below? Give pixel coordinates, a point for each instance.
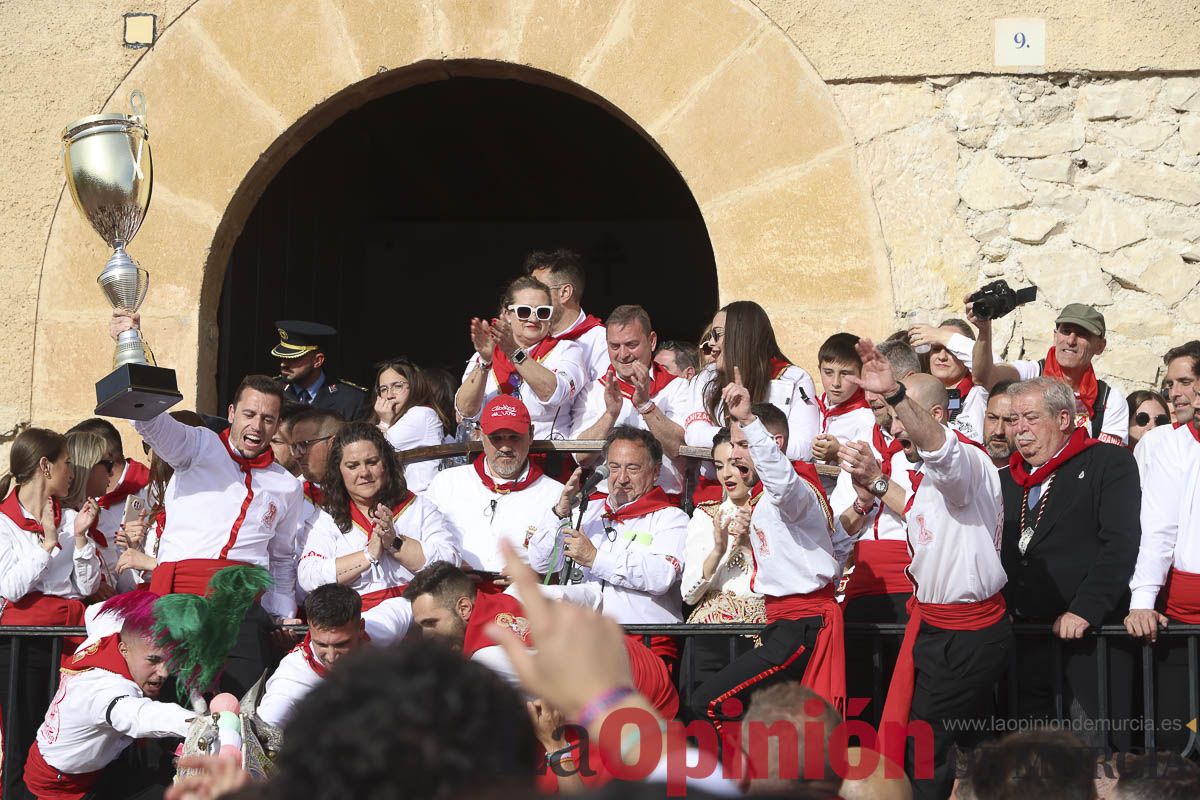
(598, 476)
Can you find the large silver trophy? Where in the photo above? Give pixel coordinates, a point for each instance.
(110, 174)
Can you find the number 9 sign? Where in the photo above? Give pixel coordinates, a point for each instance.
(1020, 42)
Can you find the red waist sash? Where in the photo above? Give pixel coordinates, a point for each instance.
(879, 569)
(1182, 600)
(47, 783)
(37, 609)
(651, 678)
(190, 576)
(948, 616)
(825, 673)
(372, 599)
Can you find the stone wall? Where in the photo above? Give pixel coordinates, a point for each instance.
(1088, 188)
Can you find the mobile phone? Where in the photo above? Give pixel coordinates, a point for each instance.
(134, 506)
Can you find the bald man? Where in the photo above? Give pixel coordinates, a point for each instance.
(959, 635)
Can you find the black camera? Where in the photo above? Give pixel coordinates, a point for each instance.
(997, 298)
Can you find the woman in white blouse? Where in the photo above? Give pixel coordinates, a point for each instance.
(372, 534)
(718, 564)
(405, 412)
(515, 354)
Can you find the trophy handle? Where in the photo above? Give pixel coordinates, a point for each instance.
(137, 101)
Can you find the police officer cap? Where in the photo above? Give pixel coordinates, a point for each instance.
(297, 337)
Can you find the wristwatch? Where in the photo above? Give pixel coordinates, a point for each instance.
(895, 399)
(880, 485)
(518, 356)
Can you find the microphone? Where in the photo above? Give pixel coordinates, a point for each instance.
(595, 479)
(598, 476)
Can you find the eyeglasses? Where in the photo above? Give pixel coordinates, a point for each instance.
(706, 348)
(300, 448)
(525, 312)
(393, 388)
(715, 335)
(1143, 419)
(107, 464)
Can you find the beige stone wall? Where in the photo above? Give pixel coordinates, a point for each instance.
(1087, 189)
(882, 172)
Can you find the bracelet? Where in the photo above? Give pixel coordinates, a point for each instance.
(860, 509)
(895, 399)
(593, 710)
(561, 755)
(372, 560)
(646, 407)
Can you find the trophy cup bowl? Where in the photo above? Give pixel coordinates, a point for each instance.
(110, 174)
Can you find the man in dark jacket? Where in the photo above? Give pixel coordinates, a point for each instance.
(1070, 543)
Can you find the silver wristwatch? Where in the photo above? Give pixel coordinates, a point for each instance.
(879, 486)
(518, 356)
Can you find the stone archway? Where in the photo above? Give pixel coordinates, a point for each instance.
(716, 86)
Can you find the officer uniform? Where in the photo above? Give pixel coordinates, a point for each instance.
(296, 339)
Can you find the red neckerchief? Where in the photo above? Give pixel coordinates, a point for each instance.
(1088, 387)
(916, 477)
(654, 500)
(502, 609)
(659, 380)
(855, 401)
(104, 654)
(364, 522)
(136, 476)
(11, 508)
(315, 494)
(588, 323)
(534, 473)
(261, 461)
(310, 658)
(1192, 430)
(965, 386)
(1078, 442)
(778, 365)
(885, 449)
(506, 371)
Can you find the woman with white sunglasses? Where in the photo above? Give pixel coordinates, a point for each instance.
(515, 354)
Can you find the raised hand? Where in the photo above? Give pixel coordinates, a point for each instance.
(825, 447)
(640, 378)
(132, 535)
(86, 516)
(502, 334)
(876, 370)
(720, 536)
(481, 339)
(979, 322)
(859, 460)
(736, 398)
(122, 321)
(613, 399)
(927, 336)
(383, 528)
(739, 527)
(570, 494)
(387, 409)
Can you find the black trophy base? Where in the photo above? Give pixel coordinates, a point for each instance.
(136, 391)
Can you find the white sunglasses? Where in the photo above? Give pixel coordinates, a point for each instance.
(524, 312)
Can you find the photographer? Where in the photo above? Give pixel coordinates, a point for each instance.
(1078, 338)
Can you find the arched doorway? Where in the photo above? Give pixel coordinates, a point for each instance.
(407, 216)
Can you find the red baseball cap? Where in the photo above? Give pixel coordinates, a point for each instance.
(504, 412)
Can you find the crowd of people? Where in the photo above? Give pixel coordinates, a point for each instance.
(923, 483)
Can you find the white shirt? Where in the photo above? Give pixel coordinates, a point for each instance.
(25, 567)
(420, 426)
(215, 510)
(673, 400)
(791, 528)
(1170, 513)
(973, 407)
(419, 520)
(96, 714)
(479, 518)
(1114, 429)
(792, 393)
(594, 344)
(883, 524)
(294, 678)
(955, 525)
(734, 568)
(551, 419)
(638, 569)
(1143, 452)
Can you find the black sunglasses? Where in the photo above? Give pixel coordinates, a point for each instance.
(1143, 419)
(107, 464)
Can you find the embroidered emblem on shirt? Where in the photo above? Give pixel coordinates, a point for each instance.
(924, 535)
(529, 532)
(763, 547)
(268, 519)
(518, 625)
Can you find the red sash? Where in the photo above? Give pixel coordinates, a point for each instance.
(651, 677)
(654, 500)
(659, 380)
(372, 599)
(778, 366)
(879, 569)
(534, 473)
(825, 673)
(588, 323)
(367, 526)
(1078, 442)
(1181, 600)
(948, 616)
(504, 610)
(505, 370)
(190, 576)
(314, 493)
(856, 401)
(1089, 387)
(47, 783)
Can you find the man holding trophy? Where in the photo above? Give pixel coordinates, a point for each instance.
(230, 502)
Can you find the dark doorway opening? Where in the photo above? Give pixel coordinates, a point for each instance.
(408, 215)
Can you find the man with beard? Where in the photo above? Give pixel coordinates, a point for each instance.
(1070, 542)
(636, 391)
(301, 354)
(502, 495)
(108, 698)
(562, 271)
(997, 438)
(1078, 338)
